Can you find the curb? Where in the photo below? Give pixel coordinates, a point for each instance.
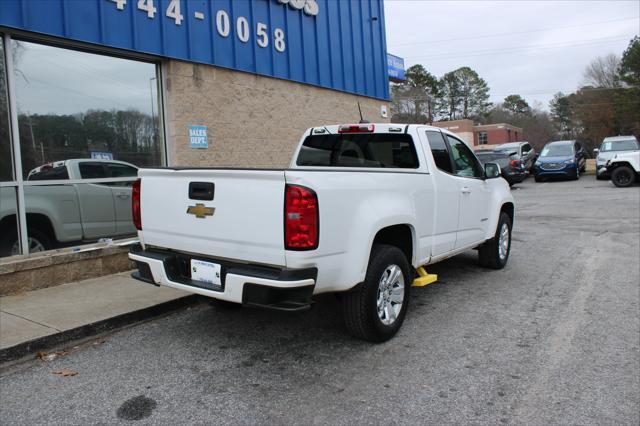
(23, 349)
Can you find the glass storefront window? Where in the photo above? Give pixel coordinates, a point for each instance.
(6, 166)
(82, 117)
(9, 245)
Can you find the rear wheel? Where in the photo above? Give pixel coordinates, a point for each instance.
(375, 309)
(38, 241)
(494, 253)
(623, 176)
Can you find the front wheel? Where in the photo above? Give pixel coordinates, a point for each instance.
(494, 253)
(375, 309)
(623, 176)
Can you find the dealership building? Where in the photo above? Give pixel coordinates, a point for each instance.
(483, 135)
(90, 90)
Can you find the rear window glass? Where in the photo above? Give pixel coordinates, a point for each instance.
(378, 150)
(489, 156)
(50, 173)
(92, 170)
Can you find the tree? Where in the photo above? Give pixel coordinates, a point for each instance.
(562, 114)
(516, 104)
(464, 95)
(474, 93)
(414, 99)
(537, 125)
(603, 72)
(630, 63)
(450, 95)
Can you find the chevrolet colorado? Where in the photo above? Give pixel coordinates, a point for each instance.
(86, 200)
(359, 209)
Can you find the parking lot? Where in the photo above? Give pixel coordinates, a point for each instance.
(553, 338)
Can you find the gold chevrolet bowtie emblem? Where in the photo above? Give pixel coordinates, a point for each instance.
(200, 210)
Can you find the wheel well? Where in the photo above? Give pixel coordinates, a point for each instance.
(622, 164)
(508, 208)
(34, 220)
(399, 236)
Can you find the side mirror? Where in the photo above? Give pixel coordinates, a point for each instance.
(596, 151)
(492, 170)
(525, 153)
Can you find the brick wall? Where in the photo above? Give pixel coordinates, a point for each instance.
(253, 121)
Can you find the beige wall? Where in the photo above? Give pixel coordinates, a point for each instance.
(252, 120)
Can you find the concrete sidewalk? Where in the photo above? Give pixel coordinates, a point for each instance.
(44, 318)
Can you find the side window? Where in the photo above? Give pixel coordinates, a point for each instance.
(439, 151)
(465, 163)
(89, 170)
(50, 173)
(526, 148)
(121, 170)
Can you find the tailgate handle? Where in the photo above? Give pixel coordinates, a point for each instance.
(201, 191)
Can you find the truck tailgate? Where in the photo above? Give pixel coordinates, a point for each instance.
(247, 223)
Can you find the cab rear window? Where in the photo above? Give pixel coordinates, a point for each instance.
(375, 150)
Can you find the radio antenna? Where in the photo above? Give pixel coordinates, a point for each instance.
(362, 120)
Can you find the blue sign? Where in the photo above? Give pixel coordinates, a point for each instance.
(339, 45)
(198, 137)
(97, 155)
(396, 68)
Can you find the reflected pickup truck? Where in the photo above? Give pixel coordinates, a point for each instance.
(76, 200)
(359, 209)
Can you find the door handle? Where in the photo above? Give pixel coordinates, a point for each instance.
(466, 190)
(123, 195)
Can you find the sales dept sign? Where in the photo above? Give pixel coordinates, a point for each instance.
(198, 137)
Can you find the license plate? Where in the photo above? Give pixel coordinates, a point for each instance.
(205, 271)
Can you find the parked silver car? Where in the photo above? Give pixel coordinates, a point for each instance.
(524, 152)
(611, 146)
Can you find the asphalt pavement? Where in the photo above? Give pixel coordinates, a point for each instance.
(554, 338)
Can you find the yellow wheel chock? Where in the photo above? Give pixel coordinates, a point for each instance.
(424, 278)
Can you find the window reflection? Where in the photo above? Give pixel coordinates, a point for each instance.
(82, 117)
(6, 168)
(9, 245)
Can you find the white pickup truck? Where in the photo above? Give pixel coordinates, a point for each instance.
(359, 209)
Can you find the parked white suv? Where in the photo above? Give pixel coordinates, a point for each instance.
(624, 168)
(611, 146)
(360, 208)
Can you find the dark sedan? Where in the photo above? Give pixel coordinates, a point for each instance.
(513, 169)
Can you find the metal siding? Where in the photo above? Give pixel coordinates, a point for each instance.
(341, 48)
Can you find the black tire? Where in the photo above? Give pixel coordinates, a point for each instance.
(623, 176)
(10, 237)
(576, 176)
(489, 252)
(359, 306)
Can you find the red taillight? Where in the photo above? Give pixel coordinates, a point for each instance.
(356, 128)
(300, 218)
(514, 163)
(135, 205)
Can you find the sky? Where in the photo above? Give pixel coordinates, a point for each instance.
(531, 48)
(63, 81)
